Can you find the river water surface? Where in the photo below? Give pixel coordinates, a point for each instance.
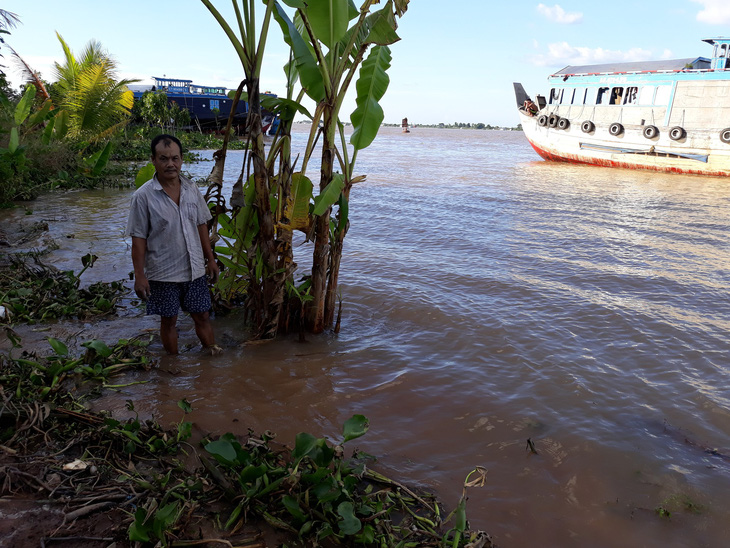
(490, 297)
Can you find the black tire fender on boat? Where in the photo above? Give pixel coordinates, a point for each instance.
(650, 132)
(553, 120)
(615, 129)
(588, 127)
(563, 123)
(725, 135)
(542, 120)
(677, 133)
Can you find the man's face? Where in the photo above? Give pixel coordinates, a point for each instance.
(167, 161)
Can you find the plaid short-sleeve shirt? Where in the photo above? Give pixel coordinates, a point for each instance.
(174, 250)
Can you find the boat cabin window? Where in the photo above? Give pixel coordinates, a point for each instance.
(555, 95)
(631, 96)
(722, 55)
(566, 97)
(591, 95)
(215, 104)
(662, 95)
(646, 95)
(602, 96)
(616, 95)
(580, 96)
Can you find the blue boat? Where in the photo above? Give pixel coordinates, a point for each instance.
(209, 106)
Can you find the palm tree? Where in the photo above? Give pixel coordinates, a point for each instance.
(88, 89)
(8, 20)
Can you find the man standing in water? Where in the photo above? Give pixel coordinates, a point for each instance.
(171, 251)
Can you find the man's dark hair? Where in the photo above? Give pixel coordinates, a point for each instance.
(166, 140)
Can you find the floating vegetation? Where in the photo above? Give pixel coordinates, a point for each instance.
(31, 292)
(42, 378)
(155, 485)
(679, 502)
(317, 494)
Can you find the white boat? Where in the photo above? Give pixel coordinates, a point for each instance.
(671, 116)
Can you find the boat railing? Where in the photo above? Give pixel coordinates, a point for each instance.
(666, 71)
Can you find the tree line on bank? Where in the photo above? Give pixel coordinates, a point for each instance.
(462, 125)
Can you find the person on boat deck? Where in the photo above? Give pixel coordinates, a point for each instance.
(171, 251)
(616, 94)
(530, 108)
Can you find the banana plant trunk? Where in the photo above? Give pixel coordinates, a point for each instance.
(316, 312)
(285, 265)
(330, 304)
(267, 292)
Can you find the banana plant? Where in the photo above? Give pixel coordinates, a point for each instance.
(329, 41)
(25, 120)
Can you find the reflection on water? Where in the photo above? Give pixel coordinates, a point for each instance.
(490, 297)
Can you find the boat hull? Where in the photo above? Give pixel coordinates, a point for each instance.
(699, 153)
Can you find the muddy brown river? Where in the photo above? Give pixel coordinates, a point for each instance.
(488, 297)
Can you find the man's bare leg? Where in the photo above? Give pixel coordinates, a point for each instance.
(168, 334)
(204, 329)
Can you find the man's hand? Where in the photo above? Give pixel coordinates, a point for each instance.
(142, 287)
(212, 270)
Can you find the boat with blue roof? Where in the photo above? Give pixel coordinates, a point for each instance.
(209, 106)
(669, 115)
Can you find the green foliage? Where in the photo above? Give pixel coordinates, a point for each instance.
(304, 59)
(155, 110)
(285, 109)
(329, 20)
(96, 163)
(297, 210)
(144, 174)
(330, 195)
(143, 438)
(371, 87)
(678, 502)
(7, 20)
(153, 525)
(41, 378)
(321, 496)
(88, 89)
(35, 293)
(22, 110)
(38, 158)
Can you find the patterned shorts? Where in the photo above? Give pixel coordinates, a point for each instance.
(166, 298)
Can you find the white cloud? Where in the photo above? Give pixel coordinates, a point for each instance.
(557, 14)
(714, 12)
(561, 54)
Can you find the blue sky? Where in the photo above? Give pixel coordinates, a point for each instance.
(455, 63)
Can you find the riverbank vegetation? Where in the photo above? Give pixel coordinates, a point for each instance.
(83, 130)
(98, 478)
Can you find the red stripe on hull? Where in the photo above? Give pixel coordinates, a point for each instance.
(574, 159)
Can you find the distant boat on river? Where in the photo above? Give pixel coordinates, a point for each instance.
(671, 116)
(209, 106)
